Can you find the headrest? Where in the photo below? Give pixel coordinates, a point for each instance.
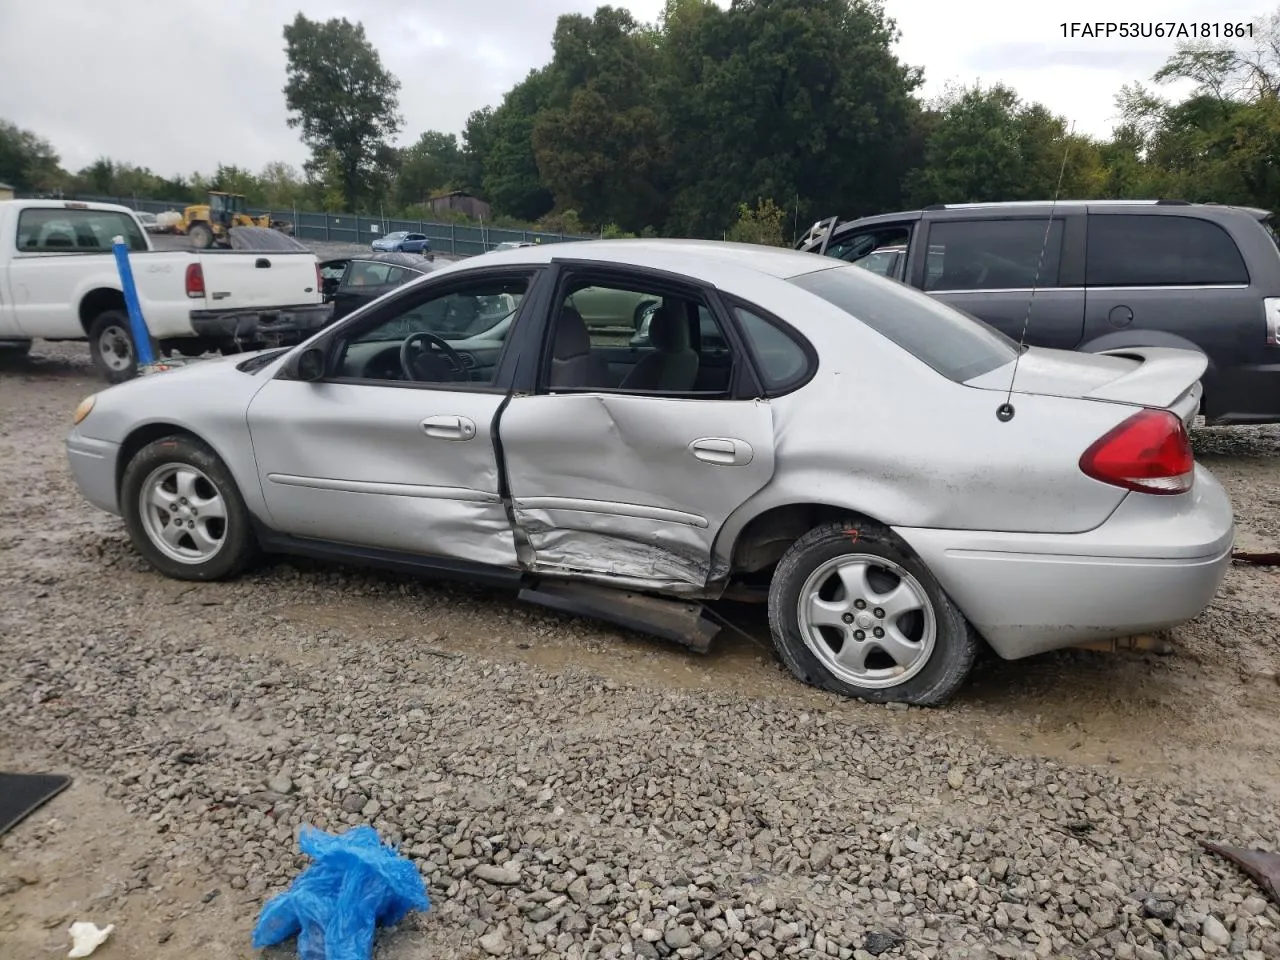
(572, 338)
(669, 329)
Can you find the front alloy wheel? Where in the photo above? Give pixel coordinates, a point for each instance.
(184, 512)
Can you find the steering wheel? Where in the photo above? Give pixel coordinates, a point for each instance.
(431, 342)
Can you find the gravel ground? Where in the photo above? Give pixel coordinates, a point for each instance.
(568, 790)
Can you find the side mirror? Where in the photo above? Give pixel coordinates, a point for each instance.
(310, 364)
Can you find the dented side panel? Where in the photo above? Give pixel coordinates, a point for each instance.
(631, 490)
(354, 463)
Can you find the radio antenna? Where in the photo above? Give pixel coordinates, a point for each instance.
(1004, 412)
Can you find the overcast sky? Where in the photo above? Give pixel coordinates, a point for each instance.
(178, 86)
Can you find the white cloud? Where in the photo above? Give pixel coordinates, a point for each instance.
(1023, 46)
(179, 86)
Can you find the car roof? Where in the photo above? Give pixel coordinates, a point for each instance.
(694, 258)
(69, 205)
(409, 260)
(1042, 207)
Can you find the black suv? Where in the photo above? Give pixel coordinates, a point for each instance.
(1114, 274)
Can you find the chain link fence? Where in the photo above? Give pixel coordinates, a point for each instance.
(462, 240)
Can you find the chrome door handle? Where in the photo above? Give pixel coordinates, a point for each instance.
(449, 428)
(722, 451)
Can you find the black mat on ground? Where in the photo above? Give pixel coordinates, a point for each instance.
(21, 794)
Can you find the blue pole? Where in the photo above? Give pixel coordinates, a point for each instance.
(137, 326)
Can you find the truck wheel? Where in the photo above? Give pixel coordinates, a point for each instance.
(111, 346)
(184, 512)
(201, 236)
(853, 611)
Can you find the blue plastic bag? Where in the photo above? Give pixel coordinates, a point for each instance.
(356, 884)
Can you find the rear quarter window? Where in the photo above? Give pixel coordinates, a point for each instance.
(954, 344)
(1126, 250)
(781, 359)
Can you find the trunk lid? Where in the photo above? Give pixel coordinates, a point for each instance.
(1157, 377)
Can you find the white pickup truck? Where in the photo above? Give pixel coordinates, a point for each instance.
(58, 281)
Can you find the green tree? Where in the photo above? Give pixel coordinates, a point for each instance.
(512, 182)
(599, 141)
(477, 144)
(778, 98)
(987, 145)
(433, 163)
(28, 162)
(282, 185)
(762, 224)
(233, 179)
(343, 100)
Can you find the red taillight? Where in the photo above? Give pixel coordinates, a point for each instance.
(1150, 452)
(195, 280)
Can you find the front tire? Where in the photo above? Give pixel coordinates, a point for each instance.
(184, 512)
(200, 235)
(853, 611)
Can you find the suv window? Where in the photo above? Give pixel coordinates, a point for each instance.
(957, 346)
(868, 248)
(1126, 250)
(56, 230)
(992, 254)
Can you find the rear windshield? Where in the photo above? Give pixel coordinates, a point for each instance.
(958, 346)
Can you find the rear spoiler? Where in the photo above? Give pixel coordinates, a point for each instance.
(1165, 376)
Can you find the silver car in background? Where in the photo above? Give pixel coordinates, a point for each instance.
(788, 428)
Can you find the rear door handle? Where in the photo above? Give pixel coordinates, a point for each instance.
(262, 262)
(449, 428)
(722, 451)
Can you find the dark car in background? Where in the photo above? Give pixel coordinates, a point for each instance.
(1108, 276)
(402, 241)
(351, 282)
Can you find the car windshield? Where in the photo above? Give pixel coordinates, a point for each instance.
(955, 344)
(458, 316)
(399, 235)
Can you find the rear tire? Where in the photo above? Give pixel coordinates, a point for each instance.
(184, 512)
(853, 611)
(111, 346)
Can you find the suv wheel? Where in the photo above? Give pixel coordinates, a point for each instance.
(853, 611)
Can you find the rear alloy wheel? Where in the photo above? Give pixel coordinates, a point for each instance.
(852, 611)
(184, 512)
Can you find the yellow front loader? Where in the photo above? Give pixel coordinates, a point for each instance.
(207, 224)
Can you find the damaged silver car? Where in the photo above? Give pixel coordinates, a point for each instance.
(897, 481)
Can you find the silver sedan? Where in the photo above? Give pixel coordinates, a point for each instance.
(898, 482)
